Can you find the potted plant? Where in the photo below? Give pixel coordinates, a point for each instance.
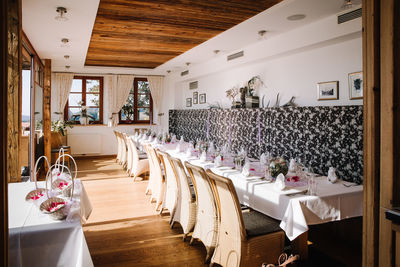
(59, 132)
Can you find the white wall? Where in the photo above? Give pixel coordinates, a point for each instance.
(290, 64)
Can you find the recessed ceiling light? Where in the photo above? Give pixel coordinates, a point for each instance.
(61, 14)
(168, 71)
(65, 42)
(217, 51)
(296, 17)
(66, 56)
(187, 64)
(347, 4)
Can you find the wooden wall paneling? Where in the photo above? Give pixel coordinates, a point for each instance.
(387, 130)
(47, 108)
(371, 67)
(3, 133)
(14, 69)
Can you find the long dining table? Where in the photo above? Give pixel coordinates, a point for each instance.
(292, 206)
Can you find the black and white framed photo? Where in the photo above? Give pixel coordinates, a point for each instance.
(195, 97)
(328, 90)
(202, 98)
(356, 85)
(188, 102)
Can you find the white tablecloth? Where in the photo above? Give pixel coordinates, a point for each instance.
(295, 209)
(35, 239)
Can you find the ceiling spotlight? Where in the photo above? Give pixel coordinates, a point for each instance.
(296, 17)
(216, 51)
(66, 56)
(261, 34)
(187, 64)
(64, 42)
(61, 14)
(168, 71)
(347, 4)
(67, 67)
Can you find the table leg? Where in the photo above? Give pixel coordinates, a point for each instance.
(300, 247)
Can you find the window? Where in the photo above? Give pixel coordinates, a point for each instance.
(139, 106)
(85, 91)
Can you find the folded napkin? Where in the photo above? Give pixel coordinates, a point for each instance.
(218, 161)
(332, 177)
(246, 169)
(189, 151)
(203, 157)
(279, 184)
(173, 139)
(178, 148)
(263, 159)
(292, 165)
(211, 148)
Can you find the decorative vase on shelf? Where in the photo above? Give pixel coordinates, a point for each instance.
(236, 104)
(84, 120)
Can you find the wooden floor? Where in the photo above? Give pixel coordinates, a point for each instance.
(125, 230)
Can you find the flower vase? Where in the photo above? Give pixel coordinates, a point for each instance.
(84, 120)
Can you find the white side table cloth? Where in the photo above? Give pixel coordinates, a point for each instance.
(35, 239)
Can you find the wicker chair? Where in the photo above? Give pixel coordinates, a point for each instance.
(157, 186)
(139, 164)
(246, 238)
(171, 184)
(123, 150)
(118, 159)
(185, 211)
(206, 227)
(128, 153)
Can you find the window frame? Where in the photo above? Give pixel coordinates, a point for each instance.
(136, 107)
(84, 78)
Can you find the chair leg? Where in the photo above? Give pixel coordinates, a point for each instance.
(172, 224)
(191, 241)
(208, 257)
(161, 211)
(184, 237)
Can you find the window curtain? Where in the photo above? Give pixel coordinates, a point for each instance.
(63, 83)
(119, 87)
(156, 85)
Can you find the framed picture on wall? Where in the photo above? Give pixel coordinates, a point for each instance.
(328, 90)
(356, 85)
(195, 97)
(188, 102)
(202, 98)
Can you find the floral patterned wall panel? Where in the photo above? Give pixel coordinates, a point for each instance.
(320, 136)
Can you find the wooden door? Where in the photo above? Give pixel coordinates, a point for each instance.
(381, 64)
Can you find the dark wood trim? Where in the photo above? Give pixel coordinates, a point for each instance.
(28, 45)
(371, 71)
(3, 134)
(47, 108)
(101, 93)
(136, 107)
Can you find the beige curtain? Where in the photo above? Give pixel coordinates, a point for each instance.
(63, 83)
(156, 84)
(119, 87)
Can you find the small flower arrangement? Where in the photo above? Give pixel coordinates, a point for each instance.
(277, 166)
(232, 93)
(148, 132)
(54, 206)
(60, 126)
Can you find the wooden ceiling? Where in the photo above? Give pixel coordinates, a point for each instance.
(148, 33)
